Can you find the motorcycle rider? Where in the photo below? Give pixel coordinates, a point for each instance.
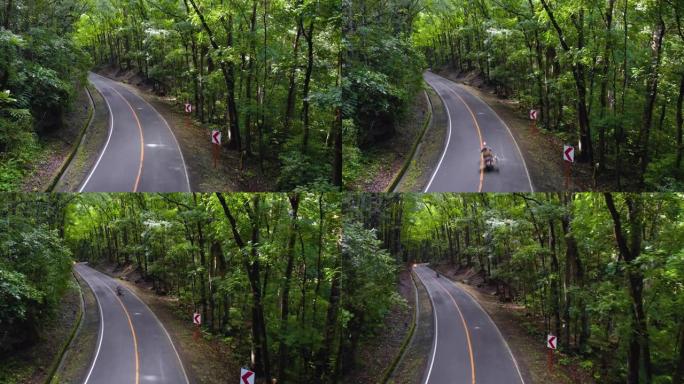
(119, 291)
(487, 153)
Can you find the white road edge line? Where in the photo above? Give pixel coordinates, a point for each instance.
(185, 167)
(515, 362)
(529, 180)
(439, 164)
(434, 314)
(109, 137)
(99, 342)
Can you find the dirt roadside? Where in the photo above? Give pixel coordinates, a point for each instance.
(57, 146)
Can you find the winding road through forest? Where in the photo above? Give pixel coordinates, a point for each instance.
(470, 123)
(141, 153)
(467, 347)
(133, 346)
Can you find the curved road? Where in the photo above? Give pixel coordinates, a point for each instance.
(133, 347)
(467, 348)
(470, 123)
(141, 153)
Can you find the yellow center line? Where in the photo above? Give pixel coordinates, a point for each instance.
(142, 141)
(479, 135)
(135, 339)
(465, 326)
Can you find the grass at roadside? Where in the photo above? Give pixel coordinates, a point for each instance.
(377, 166)
(412, 365)
(45, 160)
(78, 357)
(429, 150)
(90, 147)
(377, 353)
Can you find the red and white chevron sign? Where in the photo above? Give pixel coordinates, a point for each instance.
(188, 107)
(196, 318)
(551, 342)
(216, 137)
(246, 376)
(569, 153)
(534, 114)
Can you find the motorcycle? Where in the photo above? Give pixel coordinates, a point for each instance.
(489, 162)
(119, 291)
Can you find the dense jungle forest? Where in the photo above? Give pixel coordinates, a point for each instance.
(41, 68)
(273, 275)
(604, 272)
(606, 76)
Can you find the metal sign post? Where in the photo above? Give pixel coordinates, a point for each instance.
(216, 144)
(551, 345)
(534, 114)
(197, 321)
(188, 111)
(568, 159)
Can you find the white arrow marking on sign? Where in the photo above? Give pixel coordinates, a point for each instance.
(551, 341)
(569, 153)
(246, 376)
(216, 137)
(196, 318)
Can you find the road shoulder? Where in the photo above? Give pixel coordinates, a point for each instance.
(89, 149)
(416, 356)
(77, 358)
(429, 150)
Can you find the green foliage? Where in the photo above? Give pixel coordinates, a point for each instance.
(35, 268)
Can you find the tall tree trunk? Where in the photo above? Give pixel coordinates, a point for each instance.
(651, 94)
(308, 35)
(285, 297)
(639, 343)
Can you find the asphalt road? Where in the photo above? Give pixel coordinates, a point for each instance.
(472, 122)
(133, 346)
(141, 153)
(467, 348)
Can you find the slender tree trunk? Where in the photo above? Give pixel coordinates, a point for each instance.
(285, 297)
(651, 94)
